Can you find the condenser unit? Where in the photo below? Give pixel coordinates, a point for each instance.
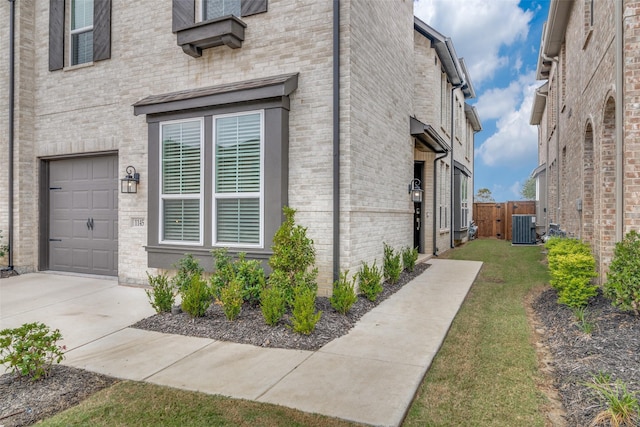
(524, 230)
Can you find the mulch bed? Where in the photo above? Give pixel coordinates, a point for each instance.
(612, 348)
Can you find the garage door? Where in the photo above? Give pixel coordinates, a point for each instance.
(83, 215)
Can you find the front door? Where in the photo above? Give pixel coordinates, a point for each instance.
(83, 215)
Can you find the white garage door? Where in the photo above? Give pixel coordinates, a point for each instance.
(83, 215)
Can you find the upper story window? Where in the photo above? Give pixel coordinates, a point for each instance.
(81, 31)
(82, 25)
(212, 9)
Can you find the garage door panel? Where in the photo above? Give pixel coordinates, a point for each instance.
(80, 199)
(83, 189)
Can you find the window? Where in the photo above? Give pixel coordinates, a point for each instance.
(181, 176)
(86, 29)
(464, 201)
(444, 196)
(212, 9)
(236, 187)
(219, 156)
(238, 179)
(81, 31)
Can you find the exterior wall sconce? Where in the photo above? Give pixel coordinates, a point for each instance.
(129, 184)
(415, 190)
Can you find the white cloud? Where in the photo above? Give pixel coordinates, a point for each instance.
(478, 29)
(515, 141)
(515, 189)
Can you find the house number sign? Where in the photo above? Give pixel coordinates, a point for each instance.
(137, 222)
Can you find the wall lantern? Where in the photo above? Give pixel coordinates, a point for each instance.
(415, 190)
(129, 184)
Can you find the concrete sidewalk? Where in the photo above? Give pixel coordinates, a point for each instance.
(369, 375)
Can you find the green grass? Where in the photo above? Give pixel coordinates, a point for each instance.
(131, 403)
(486, 373)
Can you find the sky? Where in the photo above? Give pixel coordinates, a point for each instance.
(499, 41)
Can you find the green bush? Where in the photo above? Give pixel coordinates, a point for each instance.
(3, 248)
(392, 264)
(224, 271)
(196, 296)
(304, 316)
(187, 267)
(344, 294)
(162, 295)
(572, 267)
(370, 281)
(293, 257)
(31, 350)
(272, 304)
(623, 279)
(251, 275)
(231, 298)
(409, 258)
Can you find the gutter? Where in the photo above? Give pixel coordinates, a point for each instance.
(619, 122)
(12, 19)
(336, 140)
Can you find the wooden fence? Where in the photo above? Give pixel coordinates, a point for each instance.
(494, 219)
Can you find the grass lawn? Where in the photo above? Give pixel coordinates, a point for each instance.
(486, 372)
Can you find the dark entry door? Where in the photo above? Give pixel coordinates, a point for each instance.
(83, 215)
(418, 214)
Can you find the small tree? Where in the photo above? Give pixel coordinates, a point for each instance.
(528, 190)
(484, 196)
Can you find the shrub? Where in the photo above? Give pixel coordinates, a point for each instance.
(224, 271)
(31, 350)
(187, 267)
(392, 265)
(161, 296)
(370, 281)
(196, 296)
(572, 267)
(623, 280)
(272, 304)
(293, 257)
(572, 278)
(231, 298)
(3, 248)
(344, 294)
(304, 316)
(251, 276)
(409, 258)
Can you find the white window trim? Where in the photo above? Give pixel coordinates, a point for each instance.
(252, 195)
(73, 32)
(163, 197)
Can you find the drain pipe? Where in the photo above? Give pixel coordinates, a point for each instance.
(619, 122)
(12, 19)
(336, 140)
(452, 171)
(557, 132)
(435, 200)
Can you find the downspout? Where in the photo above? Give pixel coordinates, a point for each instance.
(557, 132)
(452, 178)
(12, 19)
(619, 122)
(435, 199)
(336, 139)
(546, 172)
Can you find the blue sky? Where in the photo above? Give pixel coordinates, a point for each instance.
(499, 41)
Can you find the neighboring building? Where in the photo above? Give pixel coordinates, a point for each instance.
(229, 110)
(588, 118)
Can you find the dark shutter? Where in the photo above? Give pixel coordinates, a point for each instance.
(183, 15)
(56, 34)
(251, 7)
(101, 30)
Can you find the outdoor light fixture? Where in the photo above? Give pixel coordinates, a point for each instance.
(129, 184)
(415, 190)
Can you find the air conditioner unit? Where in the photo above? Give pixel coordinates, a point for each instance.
(523, 230)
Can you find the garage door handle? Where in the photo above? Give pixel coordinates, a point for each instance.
(91, 222)
(55, 240)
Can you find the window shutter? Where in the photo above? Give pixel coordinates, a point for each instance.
(182, 220)
(101, 30)
(181, 158)
(252, 7)
(238, 154)
(183, 14)
(56, 34)
(238, 220)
